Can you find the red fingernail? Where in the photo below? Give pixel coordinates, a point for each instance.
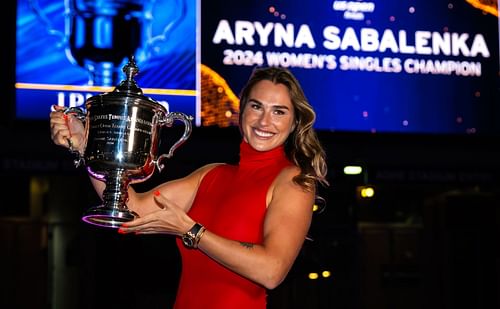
(65, 117)
(121, 231)
(157, 193)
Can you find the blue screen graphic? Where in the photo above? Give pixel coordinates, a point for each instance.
(69, 50)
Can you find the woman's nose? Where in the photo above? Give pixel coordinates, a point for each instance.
(265, 118)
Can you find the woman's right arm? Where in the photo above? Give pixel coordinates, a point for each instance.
(181, 191)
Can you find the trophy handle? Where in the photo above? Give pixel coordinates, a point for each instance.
(168, 121)
(75, 111)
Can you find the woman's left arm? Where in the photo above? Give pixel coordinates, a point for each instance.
(286, 224)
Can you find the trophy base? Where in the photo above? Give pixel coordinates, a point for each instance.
(108, 217)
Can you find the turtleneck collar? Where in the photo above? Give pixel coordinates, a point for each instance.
(251, 157)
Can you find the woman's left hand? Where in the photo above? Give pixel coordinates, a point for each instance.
(169, 219)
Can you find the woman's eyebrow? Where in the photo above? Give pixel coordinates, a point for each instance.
(255, 101)
(281, 106)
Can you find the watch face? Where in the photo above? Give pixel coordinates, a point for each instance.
(188, 241)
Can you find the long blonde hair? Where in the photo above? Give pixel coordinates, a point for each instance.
(302, 146)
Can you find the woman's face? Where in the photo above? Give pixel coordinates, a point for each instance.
(268, 117)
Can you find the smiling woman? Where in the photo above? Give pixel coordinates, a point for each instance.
(301, 145)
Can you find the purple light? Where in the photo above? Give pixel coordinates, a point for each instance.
(101, 221)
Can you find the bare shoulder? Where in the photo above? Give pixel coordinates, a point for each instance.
(186, 185)
(284, 189)
(285, 177)
(180, 191)
(199, 173)
(289, 172)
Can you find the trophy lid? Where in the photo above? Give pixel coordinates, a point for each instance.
(129, 85)
(127, 91)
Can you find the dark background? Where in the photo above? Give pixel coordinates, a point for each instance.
(429, 238)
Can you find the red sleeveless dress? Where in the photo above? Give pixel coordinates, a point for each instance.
(230, 202)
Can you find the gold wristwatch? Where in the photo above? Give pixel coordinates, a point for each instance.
(192, 237)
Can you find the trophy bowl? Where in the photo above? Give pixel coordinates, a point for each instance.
(122, 130)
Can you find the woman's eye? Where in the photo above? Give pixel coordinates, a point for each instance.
(255, 106)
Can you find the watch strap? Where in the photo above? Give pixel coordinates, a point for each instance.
(194, 235)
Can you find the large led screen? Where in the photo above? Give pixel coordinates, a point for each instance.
(370, 66)
(366, 66)
(68, 50)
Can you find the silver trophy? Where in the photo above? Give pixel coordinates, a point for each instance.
(122, 130)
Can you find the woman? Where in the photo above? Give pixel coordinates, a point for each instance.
(240, 227)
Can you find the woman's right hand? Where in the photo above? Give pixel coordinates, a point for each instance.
(66, 129)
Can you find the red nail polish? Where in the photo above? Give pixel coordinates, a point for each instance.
(121, 231)
(65, 117)
(157, 193)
